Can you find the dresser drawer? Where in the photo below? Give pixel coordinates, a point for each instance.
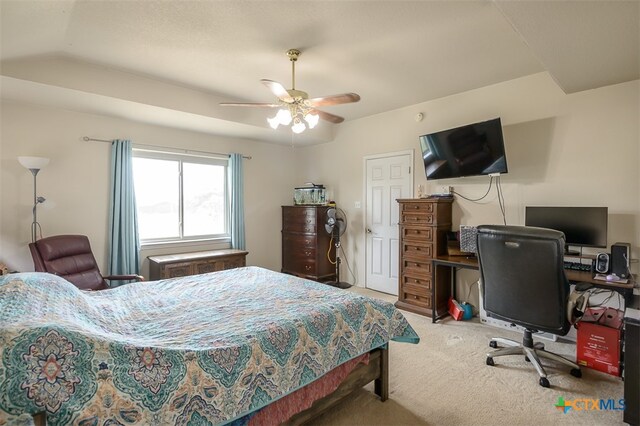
(417, 251)
(298, 241)
(419, 207)
(299, 215)
(417, 268)
(301, 255)
(416, 298)
(304, 228)
(413, 232)
(417, 218)
(300, 267)
(416, 282)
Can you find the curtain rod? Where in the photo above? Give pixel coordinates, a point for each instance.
(87, 139)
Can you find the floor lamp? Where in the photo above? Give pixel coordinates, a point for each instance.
(34, 164)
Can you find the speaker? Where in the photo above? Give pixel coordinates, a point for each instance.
(620, 253)
(602, 263)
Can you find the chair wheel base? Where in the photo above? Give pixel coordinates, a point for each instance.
(576, 372)
(493, 344)
(526, 358)
(544, 382)
(490, 361)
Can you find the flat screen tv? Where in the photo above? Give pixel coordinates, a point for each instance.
(471, 150)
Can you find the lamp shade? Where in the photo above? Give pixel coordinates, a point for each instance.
(33, 162)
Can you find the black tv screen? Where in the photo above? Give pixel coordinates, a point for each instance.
(471, 150)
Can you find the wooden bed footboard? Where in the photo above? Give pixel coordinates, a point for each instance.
(376, 370)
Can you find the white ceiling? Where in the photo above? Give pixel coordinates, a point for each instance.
(392, 53)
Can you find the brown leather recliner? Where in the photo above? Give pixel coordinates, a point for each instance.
(70, 257)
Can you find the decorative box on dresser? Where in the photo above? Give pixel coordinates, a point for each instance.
(201, 262)
(424, 224)
(305, 243)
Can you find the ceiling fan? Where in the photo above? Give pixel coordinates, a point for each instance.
(295, 105)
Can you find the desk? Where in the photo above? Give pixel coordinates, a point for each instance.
(464, 262)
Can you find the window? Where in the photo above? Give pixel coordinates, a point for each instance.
(180, 197)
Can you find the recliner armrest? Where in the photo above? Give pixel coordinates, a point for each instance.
(124, 277)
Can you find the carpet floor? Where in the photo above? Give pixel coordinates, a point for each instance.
(444, 380)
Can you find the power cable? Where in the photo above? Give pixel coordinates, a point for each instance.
(501, 200)
(477, 199)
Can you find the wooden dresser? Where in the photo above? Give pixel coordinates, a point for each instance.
(200, 262)
(424, 224)
(305, 243)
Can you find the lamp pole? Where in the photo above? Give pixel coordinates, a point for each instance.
(35, 205)
(34, 164)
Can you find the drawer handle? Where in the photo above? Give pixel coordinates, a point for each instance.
(307, 253)
(415, 297)
(416, 207)
(307, 268)
(308, 220)
(416, 281)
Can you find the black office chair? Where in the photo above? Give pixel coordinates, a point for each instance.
(523, 282)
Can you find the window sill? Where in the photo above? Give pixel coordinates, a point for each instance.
(224, 242)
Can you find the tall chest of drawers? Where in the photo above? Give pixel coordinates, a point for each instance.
(423, 230)
(306, 245)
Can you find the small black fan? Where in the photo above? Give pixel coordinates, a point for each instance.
(335, 225)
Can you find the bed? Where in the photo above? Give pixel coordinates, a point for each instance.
(215, 348)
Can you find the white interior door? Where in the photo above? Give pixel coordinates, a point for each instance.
(388, 178)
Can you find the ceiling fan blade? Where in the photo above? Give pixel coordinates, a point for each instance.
(343, 98)
(328, 117)
(277, 89)
(250, 104)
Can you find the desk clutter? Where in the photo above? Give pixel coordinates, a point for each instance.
(612, 278)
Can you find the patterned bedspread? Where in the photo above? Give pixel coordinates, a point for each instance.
(205, 349)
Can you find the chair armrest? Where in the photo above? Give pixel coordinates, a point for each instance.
(124, 277)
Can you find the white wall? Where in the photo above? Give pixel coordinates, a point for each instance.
(572, 150)
(76, 180)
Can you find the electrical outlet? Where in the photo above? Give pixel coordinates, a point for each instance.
(357, 204)
(445, 189)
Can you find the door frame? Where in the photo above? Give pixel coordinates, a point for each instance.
(411, 153)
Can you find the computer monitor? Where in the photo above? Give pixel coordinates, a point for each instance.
(582, 226)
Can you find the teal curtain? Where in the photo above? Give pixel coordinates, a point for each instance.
(124, 242)
(236, 186)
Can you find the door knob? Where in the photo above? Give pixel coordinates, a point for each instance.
(369, 231)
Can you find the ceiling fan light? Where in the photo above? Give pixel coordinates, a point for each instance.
(284, 117)
(298, 127)
(274, 122)
(312, 119)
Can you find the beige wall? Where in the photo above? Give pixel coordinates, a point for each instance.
(568, 150)
(76, 180)
(580, 149)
